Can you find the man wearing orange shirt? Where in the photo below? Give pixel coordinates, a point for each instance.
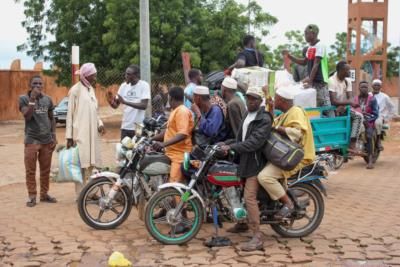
(177, 138)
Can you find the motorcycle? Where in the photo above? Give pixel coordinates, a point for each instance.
(368, 143)
(214, 186)
(106, 201)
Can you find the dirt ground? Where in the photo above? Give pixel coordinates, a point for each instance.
(361, 226)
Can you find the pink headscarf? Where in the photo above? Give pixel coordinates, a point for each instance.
(86, 70)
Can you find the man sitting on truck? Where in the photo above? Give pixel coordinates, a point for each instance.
(341, 94)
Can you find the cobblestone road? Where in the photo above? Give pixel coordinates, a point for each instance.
(361, 226)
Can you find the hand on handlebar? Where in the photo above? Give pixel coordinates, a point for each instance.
(225, 149)
(158, 146)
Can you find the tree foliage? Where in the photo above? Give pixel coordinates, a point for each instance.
(338, 50)
(393, 57)
(108, 32)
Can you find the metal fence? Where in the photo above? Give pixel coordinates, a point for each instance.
(110, 79)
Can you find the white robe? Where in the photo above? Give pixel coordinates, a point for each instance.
(82, 124)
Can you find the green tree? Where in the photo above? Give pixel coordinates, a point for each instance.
(393, 61)
(295, 44)
(67, 23)
(338, 50)
(108, 32)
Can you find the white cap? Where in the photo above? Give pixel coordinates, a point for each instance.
(287, 92)
(201, 90)
(377, 81)
(230, 83)
(255, 91)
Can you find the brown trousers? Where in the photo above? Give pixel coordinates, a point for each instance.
(250, 198)
(43, 154)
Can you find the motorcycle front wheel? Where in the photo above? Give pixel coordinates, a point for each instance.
(307, 216)
(164, 226)
(100, 213)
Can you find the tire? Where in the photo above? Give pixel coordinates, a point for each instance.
(316, 220)
(153, 203)
(124, 194)
(338, 161)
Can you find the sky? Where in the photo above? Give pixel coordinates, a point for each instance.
(330, 15)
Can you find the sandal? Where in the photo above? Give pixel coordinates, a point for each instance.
(48, 199)
(283, 213)
(31, 203)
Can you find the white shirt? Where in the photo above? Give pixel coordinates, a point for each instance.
(386, 107)
(340, 87)
(135, 94)
(249, 118)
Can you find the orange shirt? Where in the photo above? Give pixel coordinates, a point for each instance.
(180, 122)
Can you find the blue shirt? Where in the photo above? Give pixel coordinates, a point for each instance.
(211, 123)
(189, 91)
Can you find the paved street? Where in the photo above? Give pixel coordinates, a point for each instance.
(361, 226)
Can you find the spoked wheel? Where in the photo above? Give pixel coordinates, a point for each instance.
(307, 217)
(97, 211)
(338, 161)
(167, 227)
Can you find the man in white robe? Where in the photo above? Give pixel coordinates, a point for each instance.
(83, 124)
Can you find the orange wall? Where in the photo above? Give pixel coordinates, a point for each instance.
(16, 83)
(392, 87)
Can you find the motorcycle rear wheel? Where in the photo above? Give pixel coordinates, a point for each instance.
(93, 194)
(314, 221)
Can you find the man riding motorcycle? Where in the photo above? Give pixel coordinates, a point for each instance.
(294, 124)
(253, 133)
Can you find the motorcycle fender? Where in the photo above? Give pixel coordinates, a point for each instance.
(181, 188)
(314, 181)
(109, 175)
(318, 184)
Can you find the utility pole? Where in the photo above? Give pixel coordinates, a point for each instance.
(145, 68)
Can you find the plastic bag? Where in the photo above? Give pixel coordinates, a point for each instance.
(283, 79)
(117, 259)
(69, 166)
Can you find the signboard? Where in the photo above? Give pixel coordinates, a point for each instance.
(353, 75)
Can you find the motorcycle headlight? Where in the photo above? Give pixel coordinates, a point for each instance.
(129, 154)
(120, 152)
(186, 161)
(127, 142)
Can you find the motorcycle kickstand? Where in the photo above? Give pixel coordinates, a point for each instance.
(216, 240)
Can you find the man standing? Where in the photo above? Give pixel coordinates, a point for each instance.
(196, 78)
(294, 124)
(235, 106)
(254, 131)
(40, 139)
(341, 95)
(209, 118)
(83, 125)
(134, 94)
(317, 65)
(249, 56)
(386, 109)
(368, 106)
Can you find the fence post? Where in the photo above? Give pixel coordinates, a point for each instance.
(75, 63)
